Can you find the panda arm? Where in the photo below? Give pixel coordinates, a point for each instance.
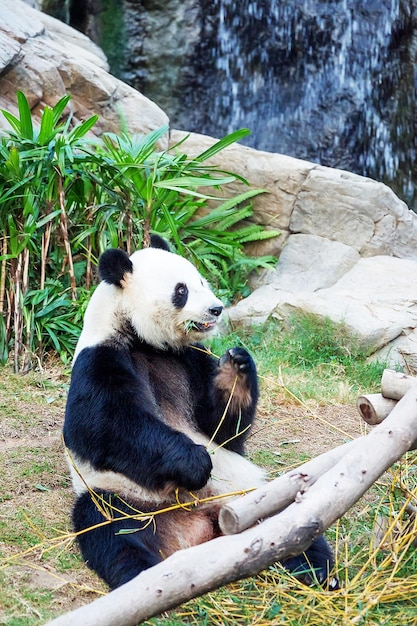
(230, 382)
(112, 423)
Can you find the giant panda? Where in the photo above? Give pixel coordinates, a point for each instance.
(146, 425)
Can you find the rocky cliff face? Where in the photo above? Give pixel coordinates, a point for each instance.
(348, 245)
(46, 59)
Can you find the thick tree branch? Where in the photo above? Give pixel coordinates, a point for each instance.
(374, 407)
(396, 384)
(240, 514)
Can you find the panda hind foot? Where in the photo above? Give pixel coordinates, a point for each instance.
(314, 566)
(119, 551)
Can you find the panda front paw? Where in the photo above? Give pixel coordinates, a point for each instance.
(240, 359)
(197, 468)
(188, 466)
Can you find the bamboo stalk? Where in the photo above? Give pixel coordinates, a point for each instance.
(46, 238)
(25, 275)
(64, 229)
(3, 274)
(129, 235)
(17, 313)
(88, 265)
(25, 281)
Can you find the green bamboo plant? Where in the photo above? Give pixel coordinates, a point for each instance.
(39, 170)
(66, 196)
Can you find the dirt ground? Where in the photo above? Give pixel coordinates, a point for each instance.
(36, 493)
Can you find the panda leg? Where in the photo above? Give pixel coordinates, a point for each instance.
(314, 565)
(114, 551)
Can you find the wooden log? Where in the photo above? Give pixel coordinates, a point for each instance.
(192, 572)
(374, 407)
(243, 512)
(395, 385)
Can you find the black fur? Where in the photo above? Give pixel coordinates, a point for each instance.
(158, 242)
(113, 420)
(180, 296)
(238, 421)
(116, 554)
(113, 265)
(314, 566)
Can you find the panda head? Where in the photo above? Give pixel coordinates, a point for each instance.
(159, 295)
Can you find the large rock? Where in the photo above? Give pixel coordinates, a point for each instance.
(375, 297)
(331, 221)
(46, 59)
(304, 197)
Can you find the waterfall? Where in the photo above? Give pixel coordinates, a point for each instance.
(318, 80)
(329, 81)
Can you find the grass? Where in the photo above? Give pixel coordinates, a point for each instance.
(310, 378)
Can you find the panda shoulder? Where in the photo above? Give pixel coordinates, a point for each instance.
(102, 362)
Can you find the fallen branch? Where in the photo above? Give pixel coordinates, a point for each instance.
(395, 385)
(273, 497)
(374, 407)
(195, 571)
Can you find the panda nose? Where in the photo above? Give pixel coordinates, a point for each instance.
(216, 310)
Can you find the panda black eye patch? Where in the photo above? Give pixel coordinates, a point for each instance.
(180, 295)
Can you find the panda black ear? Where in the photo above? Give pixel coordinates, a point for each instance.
(113, 265)
(159, 242)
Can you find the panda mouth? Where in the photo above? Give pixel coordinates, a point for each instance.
(201, 327)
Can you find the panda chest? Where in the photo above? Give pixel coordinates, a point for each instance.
(170, 387)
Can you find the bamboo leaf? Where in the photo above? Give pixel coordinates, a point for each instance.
(13, 121)
(59, 107)
(194, 181)
(235, 200)
(47, 218)
(52, 306)
(82, 129)
(26, 127)
(222, 144)
(259, 234)
(47, 124)
(173, 227)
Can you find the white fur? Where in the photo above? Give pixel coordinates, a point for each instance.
(145, 300)
(231, 473)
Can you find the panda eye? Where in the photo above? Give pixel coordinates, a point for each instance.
(180, 295)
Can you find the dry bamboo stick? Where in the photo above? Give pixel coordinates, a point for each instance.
(3, 273)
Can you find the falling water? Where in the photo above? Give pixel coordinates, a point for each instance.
(320, 80)
(329, 81)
